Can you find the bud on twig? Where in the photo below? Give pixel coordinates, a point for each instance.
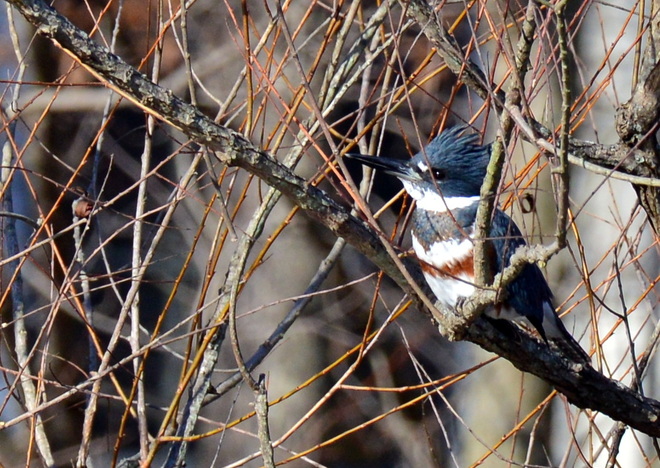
(82, 206)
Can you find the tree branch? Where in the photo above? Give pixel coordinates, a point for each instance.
(637, 120)
(488, 194)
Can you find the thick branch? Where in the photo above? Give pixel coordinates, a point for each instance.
(639, 116)
(582, 385)
(637, 120)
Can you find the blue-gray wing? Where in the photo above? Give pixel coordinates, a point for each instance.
(528, 293)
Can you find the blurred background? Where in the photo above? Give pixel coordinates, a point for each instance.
(356, 378)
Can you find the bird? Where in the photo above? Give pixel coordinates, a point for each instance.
(445, 179)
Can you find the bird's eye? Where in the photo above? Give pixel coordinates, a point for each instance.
(439, 174)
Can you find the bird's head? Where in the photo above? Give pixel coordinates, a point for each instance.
(452, 166)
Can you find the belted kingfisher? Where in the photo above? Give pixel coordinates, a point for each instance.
(445, 180)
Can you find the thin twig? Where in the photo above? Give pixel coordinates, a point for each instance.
(561, 169)
(94, 191)
(82, 210)
(26, 219)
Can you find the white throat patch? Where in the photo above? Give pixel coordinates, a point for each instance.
(431, 200)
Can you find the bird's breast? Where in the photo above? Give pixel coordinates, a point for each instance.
(448, 268)
(444, 248)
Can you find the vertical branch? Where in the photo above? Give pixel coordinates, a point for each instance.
(561, 169)
(136, 257)
(31, 394)
(94, 192)
(192, 91)
(136, 264)
(514, 97)
(248, 69)
(81, 209)
(261, 410)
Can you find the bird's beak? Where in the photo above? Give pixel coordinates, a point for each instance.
(395, 167)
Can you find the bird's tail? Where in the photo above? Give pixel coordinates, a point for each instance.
(556, 334)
